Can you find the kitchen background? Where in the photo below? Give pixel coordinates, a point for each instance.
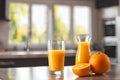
(29, 23)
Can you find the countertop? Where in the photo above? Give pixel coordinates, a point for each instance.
(32, 58)
(31, 54)
(42, 73)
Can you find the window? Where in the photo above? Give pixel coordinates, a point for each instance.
(82, 20)
(62, 22)
(20, 25)
(19, 22)
(38, 22)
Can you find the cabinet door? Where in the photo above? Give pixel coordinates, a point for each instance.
(2, 8)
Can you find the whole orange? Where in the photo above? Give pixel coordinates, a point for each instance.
(100, 63)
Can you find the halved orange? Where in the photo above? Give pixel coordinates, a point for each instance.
(81, 69)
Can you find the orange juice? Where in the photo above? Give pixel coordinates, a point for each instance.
(83, 53)
(56, 59)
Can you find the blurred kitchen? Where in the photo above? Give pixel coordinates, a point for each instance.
(28, 24)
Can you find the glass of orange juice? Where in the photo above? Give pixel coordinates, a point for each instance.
(56, 56)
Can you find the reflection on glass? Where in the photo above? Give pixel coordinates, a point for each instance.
(18, 22)
(39, 23)
(62, 22)
(82, 15)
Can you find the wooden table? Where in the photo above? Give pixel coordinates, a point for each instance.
(41, 73)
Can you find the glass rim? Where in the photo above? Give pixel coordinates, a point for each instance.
(54, 44)
(56, 40)
(82, 35)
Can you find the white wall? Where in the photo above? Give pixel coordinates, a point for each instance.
(3, 34)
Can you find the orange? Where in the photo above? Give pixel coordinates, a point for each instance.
(100, 63)
(81, 69)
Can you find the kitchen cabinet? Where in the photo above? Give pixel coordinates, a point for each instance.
(2, 10)
(106, 3)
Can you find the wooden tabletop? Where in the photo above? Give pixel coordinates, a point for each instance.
(42, 73)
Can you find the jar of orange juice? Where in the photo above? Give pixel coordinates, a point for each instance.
(83, 51)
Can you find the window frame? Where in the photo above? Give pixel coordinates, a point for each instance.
(50, 5)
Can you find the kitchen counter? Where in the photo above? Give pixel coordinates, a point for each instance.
(32, 58)
(42, 73)
(31, 54)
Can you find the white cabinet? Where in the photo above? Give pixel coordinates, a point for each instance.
(118, 37)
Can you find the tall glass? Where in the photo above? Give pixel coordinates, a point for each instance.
(83, 52)
(56, 56)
